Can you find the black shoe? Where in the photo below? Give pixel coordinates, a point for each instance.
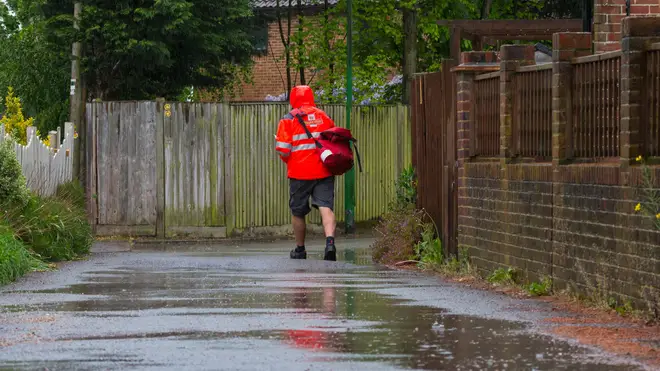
(330, 253)
(298, 254)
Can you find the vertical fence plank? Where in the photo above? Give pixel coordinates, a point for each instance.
(533, 119)
(596, 106)
(91, 191)
(487, 115)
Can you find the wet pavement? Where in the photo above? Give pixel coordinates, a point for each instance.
(249, 307)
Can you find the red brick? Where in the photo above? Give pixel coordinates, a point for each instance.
(609, 9)
(639, 9)
(615, 18)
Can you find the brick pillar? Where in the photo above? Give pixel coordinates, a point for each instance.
(566, 46)
(638, 34)
(511, 57)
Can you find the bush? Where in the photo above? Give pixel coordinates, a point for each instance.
(13, 188)
(429, 250)
(406, 189)
(15, 123)
(400, 231)
(15, 259)
(73, 193)
(56, 228)
(402, 227)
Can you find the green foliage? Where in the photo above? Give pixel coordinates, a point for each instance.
(141, 51)
(429, 249)
(55, 228)
(651, 204)
(504, 276)
(15, 259)
(458, 265)
(130, 50)
(623, 309)
(13, 188)
(400, 231)
(13, 119)
(406, 188)
(73, 193)
(39, 72)
(540, 289)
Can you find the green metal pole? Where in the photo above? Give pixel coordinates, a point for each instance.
(349, 178)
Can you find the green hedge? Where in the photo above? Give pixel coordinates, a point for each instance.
(15, 259)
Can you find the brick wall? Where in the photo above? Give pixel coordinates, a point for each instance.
(269, 71)
(607, 20)
(570, 219)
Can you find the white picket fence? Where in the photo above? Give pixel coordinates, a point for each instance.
(45, 168)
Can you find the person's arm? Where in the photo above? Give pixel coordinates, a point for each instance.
(284, 141)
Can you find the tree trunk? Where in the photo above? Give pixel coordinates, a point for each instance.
(286, 42)
(409, 51)
(300, 46)
(485, 8)
(326, 37)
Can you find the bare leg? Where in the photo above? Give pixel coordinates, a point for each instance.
(299, 229)
(329, 222)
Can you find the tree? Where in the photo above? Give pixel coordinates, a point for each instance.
(36, 69)
(144, 49)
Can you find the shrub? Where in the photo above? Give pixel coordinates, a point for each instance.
(13, 188)
(651, 204)
(406, 188)
(56, 228)
(15, 259)
(15, 123)
(400, 232)
(504, 276)
(540, 289)
(429, 249)
(72, 192)
(402, 227)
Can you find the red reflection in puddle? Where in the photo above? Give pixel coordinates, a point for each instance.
(310, 338)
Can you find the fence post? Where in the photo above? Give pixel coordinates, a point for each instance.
(566, 46)
(52, 139)
(160, 169)
(511, 57)
(637, 35)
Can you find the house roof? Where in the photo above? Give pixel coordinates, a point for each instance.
(271, 4)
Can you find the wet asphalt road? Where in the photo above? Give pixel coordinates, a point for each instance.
(251, 308)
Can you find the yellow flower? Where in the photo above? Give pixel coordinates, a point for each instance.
(638, 207)
(639, 158)
(167, 107)
(657, 216)
(168, 113)
(75, 135)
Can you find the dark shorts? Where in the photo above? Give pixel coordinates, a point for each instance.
(322, 192)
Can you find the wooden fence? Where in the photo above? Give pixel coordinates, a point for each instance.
(487, 114)
(211, 169)
(435, 149)
(532, 120)
(45, 168)
(596, 107)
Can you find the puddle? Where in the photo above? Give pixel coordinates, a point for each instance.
(202, 311)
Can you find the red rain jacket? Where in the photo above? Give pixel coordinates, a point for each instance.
(293, 145)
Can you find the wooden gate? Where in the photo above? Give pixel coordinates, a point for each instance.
(433, 104)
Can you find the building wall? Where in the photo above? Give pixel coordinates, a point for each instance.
(608, 15)
(269, 71)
